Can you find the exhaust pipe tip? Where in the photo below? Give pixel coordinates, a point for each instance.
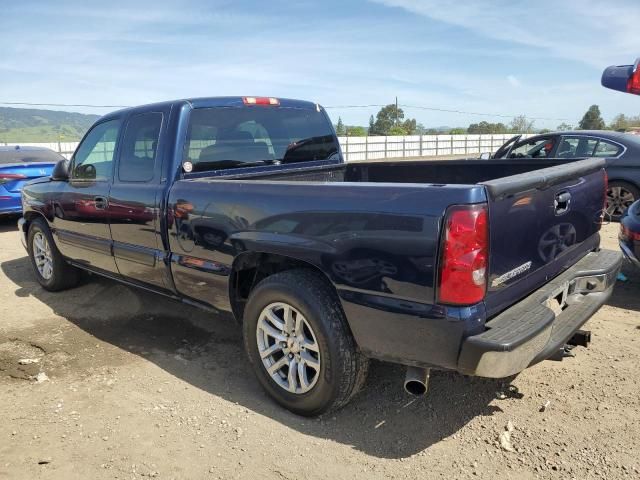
(416, 381)
(415, 388)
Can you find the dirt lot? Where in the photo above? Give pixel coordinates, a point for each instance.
(139, 386)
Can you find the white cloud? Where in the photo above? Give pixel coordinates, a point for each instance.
(513, 81)
(121, 54)
(594, 32)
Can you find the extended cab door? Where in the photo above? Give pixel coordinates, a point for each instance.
(134, 201)
(81, 217)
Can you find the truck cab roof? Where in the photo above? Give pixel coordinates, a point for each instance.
(211, 102)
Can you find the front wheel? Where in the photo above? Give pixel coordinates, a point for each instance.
(299, 343)
(620, 195)
(50, 268)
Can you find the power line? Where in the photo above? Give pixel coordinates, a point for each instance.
(479, 113)
(419, 107)
(355, 106)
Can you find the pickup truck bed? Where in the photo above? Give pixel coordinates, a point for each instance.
(375, 228)
(245, 205)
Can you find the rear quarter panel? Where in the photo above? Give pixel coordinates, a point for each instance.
(376, 243)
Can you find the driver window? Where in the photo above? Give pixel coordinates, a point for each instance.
(539, 148)
(94, 158)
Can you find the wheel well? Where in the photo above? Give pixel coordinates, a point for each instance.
(252, 267)
(29, 217)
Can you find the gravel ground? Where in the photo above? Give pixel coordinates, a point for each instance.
(125, 384)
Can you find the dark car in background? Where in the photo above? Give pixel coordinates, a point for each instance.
(621, 151)
(17, 165)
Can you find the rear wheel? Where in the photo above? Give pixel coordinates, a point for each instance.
(620, 195)
(50, 268)
(299, 343)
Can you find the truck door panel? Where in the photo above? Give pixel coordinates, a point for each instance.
(135, 199)
(81, 215)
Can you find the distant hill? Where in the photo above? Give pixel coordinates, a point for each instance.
(35, 125)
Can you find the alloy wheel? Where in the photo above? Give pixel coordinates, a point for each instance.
(618, 200)
(288, 348)
(42, 255)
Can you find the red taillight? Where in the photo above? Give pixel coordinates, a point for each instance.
(10, 177)
(627, 234)
(465, 252)
(261, 101)
(633, 84)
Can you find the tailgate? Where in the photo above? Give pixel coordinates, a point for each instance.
(541, 223)
(13, 176)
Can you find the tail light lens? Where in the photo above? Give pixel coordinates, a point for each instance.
(627, 234)
(10, 177)
(465, 253)
(633, 84)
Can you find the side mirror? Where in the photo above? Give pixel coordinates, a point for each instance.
(61, 171)
(623, 78)
(485, 156)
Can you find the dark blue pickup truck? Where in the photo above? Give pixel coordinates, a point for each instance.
(245, 204)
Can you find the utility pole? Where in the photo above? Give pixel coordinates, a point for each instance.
(396, 111)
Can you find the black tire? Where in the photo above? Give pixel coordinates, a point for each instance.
(623, 201)
(63, 275)
(343, 368)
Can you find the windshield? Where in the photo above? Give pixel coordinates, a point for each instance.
(28, 155)
(231, 137)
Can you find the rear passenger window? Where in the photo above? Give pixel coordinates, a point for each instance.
(139, 148)
(576, 147)
(606, 149)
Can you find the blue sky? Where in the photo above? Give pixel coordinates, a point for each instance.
(541, 59)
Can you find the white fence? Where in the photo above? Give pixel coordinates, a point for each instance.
(419, 146)
(375, 148)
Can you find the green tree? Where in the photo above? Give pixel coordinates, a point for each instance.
(420, 129)
(619, 122)
(372, 126)
(397, 130)
(340, 129)
(622, 122)
(564, 127)
(486, 127)
(592, 120)
(409, 126)
(389, 117)
(457, 131)
(521, 124)
(356, 131)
